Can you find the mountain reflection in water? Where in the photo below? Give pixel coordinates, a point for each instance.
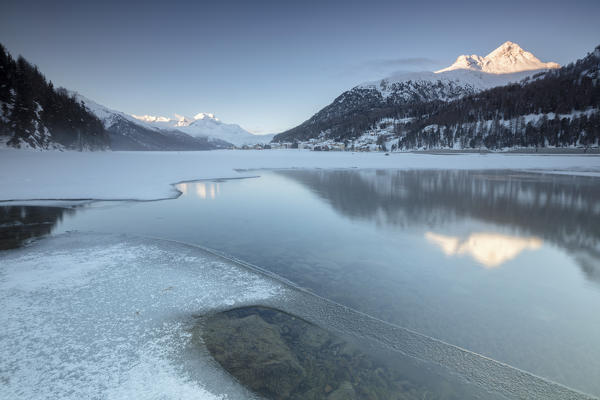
(202, 190)
(18, 224)
(562, 210)
(489, 249)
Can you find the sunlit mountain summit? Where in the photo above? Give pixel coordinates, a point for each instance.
(506, 59)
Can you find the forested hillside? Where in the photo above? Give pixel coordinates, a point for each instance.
(359, 109)
(35, 114)
(553, 108)
(557, 108)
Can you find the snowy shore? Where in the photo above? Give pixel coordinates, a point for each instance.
(31, 175)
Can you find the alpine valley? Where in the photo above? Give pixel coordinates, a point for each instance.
(34, 114)
(202, 132)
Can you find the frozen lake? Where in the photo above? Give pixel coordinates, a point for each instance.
(505, 264)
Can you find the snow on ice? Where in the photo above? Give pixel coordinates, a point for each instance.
(100, 316)
(34, 175)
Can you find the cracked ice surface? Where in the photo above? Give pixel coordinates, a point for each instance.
(106, 316)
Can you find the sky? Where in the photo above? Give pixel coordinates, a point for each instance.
(270, 65)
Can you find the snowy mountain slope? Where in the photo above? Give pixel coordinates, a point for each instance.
(129, 133)
(107, 115)
(469, 74)
(508, 63)
(205, 124)
(558, 108)
(445, 86)
(355, 110)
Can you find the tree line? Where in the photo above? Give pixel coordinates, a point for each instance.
(556, 108)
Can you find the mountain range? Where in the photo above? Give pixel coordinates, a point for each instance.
(506, 99)
(128, 133)
(205, 125)
(385, 106)
(34, 114)
(202, 132)
(506, 59)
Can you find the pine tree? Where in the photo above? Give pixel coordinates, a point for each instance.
(23, 111)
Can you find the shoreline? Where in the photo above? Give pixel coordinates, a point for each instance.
(542, 151)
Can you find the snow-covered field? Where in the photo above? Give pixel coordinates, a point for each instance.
(28, 175)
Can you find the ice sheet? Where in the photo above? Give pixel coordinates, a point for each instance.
(109, 317)
(35, 175)
(94, 316)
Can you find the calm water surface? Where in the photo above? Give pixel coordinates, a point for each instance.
(504, 264)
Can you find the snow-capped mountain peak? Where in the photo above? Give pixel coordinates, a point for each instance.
(466, 62)
(205, 125)
(469, 74)
(179, 120)
(205, 116)
(151, 118)
(507, 59)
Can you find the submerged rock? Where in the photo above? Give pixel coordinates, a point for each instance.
(280, 356)
(344, 392)
(254, 352)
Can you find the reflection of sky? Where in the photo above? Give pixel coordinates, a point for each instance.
(489, 249)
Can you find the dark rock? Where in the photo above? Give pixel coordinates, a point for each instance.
(344, 392)
(280, 356)
(255, 354)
